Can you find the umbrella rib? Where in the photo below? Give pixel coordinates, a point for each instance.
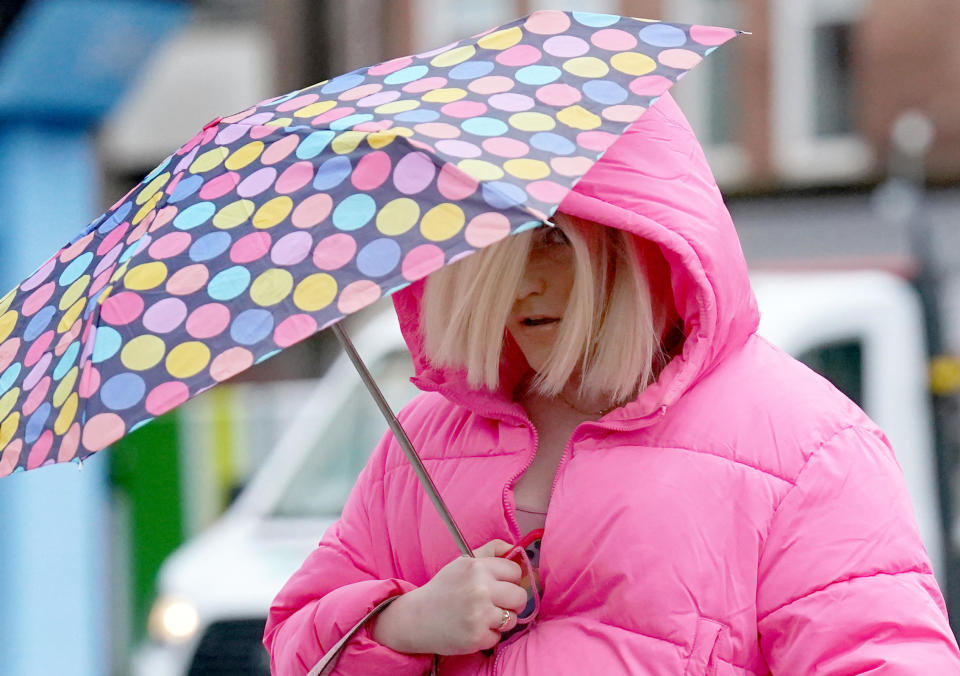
(402, 439)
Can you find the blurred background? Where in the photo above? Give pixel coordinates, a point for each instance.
(833, 130)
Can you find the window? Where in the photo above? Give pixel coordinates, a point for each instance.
(440, 22)
(842, 364)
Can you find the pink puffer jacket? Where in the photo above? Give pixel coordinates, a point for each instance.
(740, 517)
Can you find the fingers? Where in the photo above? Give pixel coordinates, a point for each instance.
(505, 620)
(493, 548)
(508, 595)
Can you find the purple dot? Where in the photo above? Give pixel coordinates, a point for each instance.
(413, 173)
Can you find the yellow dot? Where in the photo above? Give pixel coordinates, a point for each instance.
(67, 414)
(315, 292)
(508, 37)
(65, 386)
(279, 122)
(395, 107)
(532, 122)
(244, 155)
(579, 117)
(73, 292)
(146, 276)
(380, 139)
(633, 63)
(273, 212)
(146, 208)
(209, 160)
(442, 222)
(398, 216)
(7, 300)
(444, 95)
(70, 316)
(453, 56)
(586, 66)
(481, 170)
(143, 352)
(234, 214)
(187, 359)
(7, 322)
(7, 401)
(529, 170)
(347, 142)
(8, 428)
(271, 287)
(314, 109)
(150, 189)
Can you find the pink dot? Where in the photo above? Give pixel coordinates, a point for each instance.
(102, 430)
(293, 329)
(172, 185)
(457, 148)
(9, 350)
(486, 228)
(425, 85)
(291, 248)
(100, 282)
(69, 444)
(378, 99)
(208, 320)
(506, 147)
(170, 245)
(230, 362)
(37, 395)
(519, 55)
(358, 295)
(37, 299)
(391, 66)
(122, 308)
(335, 251)
(413, 173)
(188, 280)
(77, 248)
(166, 396)
(566, 46)
(623, 113)
(38, 348)
(614, 40)
(421, 261)
(683, 59)
(40, 365)
(454, 184)
(571, 166)
(491, 84)
(332, 115)
(547, 22)
(220, 186)
(312, 211)
(107, 262)
(67, 339)
(558, 94)
(187, 159)
(547, 191)
(294, 177)
(438, 130)
(261, 131)
(40, 450)
(10, 457)
(165, 315)
(650, 85)
(250, 248)
(89, 381)
(373, 125)
(711, 35)
(112, 238)
(164, 216)
(297, 102)
(38, 277)
(597, 141)
(464, 109)
(372, 171)
(361, 92)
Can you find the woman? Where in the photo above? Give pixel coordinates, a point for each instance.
(712, 506)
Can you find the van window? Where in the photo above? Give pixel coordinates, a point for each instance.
(842, 364)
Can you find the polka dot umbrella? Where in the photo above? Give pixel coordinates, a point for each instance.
(275, 222)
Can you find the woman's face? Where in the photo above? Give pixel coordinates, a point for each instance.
(542, 295)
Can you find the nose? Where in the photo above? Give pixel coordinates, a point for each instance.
(532, 283)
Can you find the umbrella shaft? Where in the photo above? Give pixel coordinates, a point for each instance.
(402, 439)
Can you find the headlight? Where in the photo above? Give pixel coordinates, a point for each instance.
(173, 620)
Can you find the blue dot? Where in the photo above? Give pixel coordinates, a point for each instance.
(502, 195)
(595, 20)
(342, 83)
(194, 215)
(210, 246)
(185, 188)
(266, 356)
(537, 75)
(116, 218)
(378, 257)
(332, 172)
(549, 142)
(405, 75)
(314, 144)
(76, 268)
(251, 326)
(663, 35)
(228, 284)
(354, 212)
(38, 323)
(349, 121)
(133, 249)
(66, 361)
(107, 343)
(9, 377)
(37, 422)
(419, 115)
(484, 126)
(286, 97)
(156, 170)
(122, 391)
(606, 92)
(469, 70)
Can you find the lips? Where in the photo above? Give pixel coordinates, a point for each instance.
(538, 321)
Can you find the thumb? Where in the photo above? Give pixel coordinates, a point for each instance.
(492, 548)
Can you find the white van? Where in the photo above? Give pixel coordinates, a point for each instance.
(861, 329)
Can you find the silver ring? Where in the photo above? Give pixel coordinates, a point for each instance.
(504, 620)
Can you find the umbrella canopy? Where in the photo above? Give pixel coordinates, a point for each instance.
(277, 221)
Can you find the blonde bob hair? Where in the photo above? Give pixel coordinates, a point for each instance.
(610, 332)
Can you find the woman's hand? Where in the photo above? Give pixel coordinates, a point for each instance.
(460, 610)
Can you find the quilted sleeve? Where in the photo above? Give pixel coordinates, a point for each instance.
(845, 585)
(336, 586)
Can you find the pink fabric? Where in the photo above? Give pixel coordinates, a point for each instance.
(740, 517)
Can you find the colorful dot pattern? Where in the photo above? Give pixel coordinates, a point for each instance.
(277, 221)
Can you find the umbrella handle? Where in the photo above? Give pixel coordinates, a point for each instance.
(402, 439)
